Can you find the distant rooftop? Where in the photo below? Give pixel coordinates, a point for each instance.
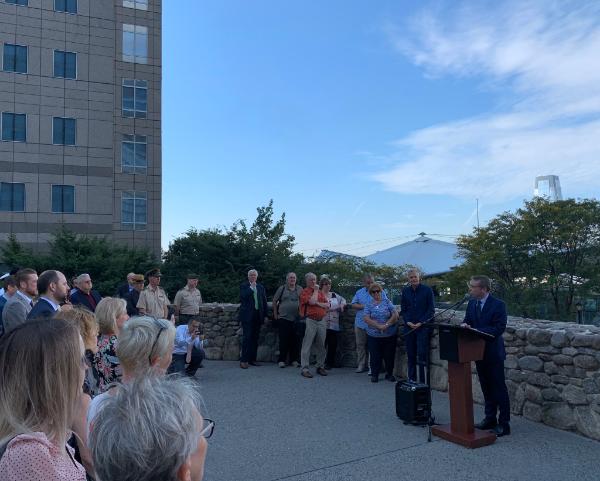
(430, 255)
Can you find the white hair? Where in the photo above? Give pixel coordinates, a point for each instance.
(82, 277)
(310, 275)
(147, 430)
(252, 271)
(141, 338)
(289, 274)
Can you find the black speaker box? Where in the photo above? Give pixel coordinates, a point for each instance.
(413, 402)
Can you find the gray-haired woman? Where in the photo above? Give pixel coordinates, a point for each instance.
(145, 348)
(151, 429)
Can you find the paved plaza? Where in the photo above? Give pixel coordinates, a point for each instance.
(272, 424)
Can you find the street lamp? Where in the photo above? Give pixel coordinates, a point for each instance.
(579, 307)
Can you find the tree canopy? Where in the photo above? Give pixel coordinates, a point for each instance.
(544, 254)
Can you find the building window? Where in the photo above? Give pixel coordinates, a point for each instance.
(63, 131)
(14, 58)
(14, 127)
(135, 43)
(134, 154)
(135, 98)
(134, 210)
(67, 6)
(139, 4)
(65, 64)
(23, 3)
(12, 197)
(63, 199)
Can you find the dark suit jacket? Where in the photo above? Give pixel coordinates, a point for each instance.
(132, 299)
(41, 309)
(492, 321)
(247, 302)
(417, 305)
(123, 291)
(80, 298)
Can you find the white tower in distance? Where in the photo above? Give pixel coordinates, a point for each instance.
(548, 186)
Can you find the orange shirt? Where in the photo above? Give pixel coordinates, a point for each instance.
(314, 312)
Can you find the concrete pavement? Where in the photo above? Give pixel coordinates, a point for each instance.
(272, 424)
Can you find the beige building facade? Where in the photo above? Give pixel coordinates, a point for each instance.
(80, 104)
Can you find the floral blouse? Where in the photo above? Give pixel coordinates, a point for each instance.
(106, 365)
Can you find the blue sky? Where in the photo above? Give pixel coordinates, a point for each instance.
(369, 122)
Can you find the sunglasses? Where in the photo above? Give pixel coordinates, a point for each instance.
(208, 427)
(376, 291)
(162, 328)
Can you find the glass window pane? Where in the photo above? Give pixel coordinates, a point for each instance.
(140, 155)
(8, 59)
(140, 211)
(128, 45)
(70, 65)
(21, 62)
(5, 196)
(57, 198)
(59, 5)
(59, 63)
(8, 126)
(58, 131)
(141, 45)
(68, 199)
(127, 210)
(70, 131)
(20, 128)
(141, 100)
(71, 6)
(127, 154)
(18, 197)
(128, 93)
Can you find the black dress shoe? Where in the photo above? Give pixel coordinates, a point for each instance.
(502, 430)
(374, 378)
(487, 423)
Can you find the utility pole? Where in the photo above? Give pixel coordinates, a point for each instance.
(477, 209)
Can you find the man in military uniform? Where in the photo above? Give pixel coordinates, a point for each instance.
(153, 299)
(187, 300)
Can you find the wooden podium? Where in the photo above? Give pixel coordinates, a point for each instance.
(459, 346)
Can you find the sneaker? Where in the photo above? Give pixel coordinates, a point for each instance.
(295, 364)
(306, 373)
(369, 373)
(321, 371)
(281, 364)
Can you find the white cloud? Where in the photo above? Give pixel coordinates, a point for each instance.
(541, 60)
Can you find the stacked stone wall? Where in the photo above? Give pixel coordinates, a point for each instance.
(552, 368)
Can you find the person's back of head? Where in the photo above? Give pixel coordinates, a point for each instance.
(145, 342)
(41, 373)
(108, 310)
(150, 429)
(85, 321)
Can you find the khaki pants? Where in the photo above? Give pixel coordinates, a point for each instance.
(315, 334)
(361, 346)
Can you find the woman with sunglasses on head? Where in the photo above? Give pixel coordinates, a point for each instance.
(336, 306)
(111, 314)
(381, 317)
(144, 349)
(42, 367)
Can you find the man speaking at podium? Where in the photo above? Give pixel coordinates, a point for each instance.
(488, 314)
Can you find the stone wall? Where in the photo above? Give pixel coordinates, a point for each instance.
(552, 368)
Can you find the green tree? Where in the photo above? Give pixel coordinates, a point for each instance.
(544, 254)
(106, 262)
(222, 257)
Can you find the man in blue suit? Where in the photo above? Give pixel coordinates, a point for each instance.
(488, 314)
(53, 288)
(253, 311)
(417, 309)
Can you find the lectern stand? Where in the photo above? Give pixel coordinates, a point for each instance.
(460, 346)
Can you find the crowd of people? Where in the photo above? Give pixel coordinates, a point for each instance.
(85, 393)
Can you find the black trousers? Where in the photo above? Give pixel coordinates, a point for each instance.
(178, 363)
(289, 341)
(382, 348)
(417, 352)
(250, 334)
(331, 343)
(495, 393)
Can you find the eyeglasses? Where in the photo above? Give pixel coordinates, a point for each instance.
(208, 427)
(377, 291)
(162, 328)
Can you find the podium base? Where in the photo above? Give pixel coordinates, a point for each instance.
(476, 439)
